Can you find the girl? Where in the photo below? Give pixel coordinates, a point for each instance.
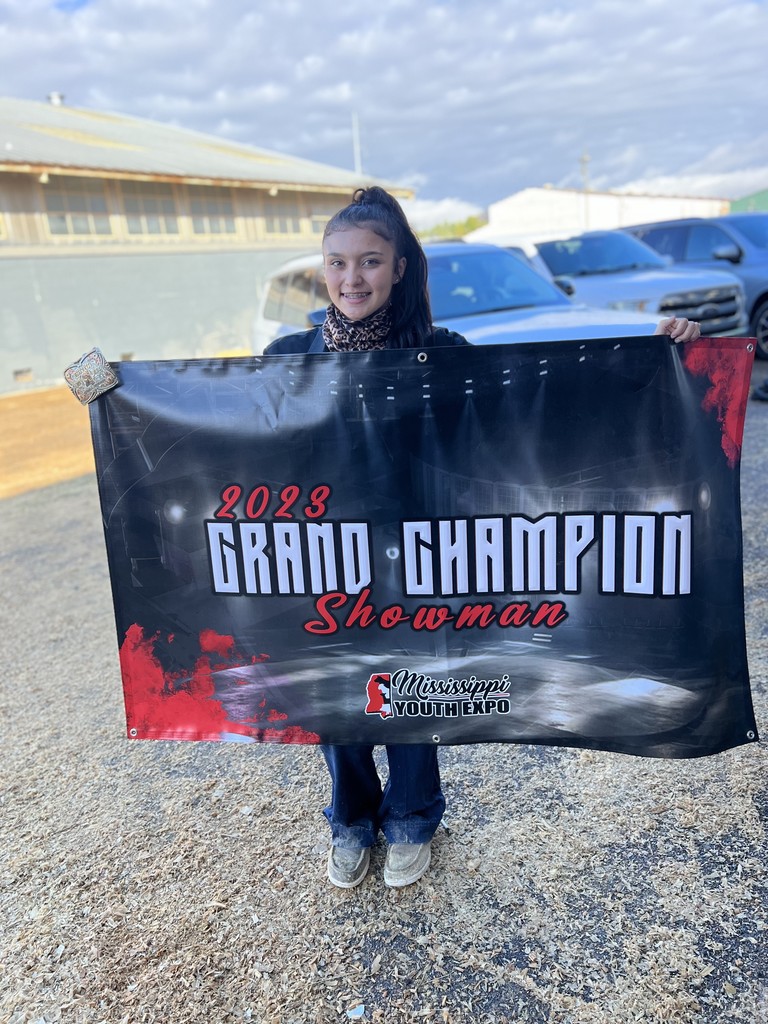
(376, 273)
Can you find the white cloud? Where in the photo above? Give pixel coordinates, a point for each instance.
(732, 185)
(424, 214)
(309, 67)
(471, 99)
(340, 93)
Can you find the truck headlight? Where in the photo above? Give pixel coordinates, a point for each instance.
(638, 305)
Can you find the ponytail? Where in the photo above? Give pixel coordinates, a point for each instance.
(378, 210)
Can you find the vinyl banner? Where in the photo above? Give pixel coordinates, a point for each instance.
(534, 543)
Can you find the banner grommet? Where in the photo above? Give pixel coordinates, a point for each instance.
(422, 357)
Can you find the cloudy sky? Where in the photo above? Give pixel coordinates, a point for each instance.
(465, 100)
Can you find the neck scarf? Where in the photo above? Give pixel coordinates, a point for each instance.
(343, 335)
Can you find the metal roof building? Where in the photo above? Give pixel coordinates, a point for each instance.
(539, 214)
(147, 240)
(71, 177)
(757, 201)
(54, 138)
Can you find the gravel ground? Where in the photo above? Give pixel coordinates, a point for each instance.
(185, 882)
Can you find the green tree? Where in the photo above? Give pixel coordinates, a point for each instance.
(455, 229)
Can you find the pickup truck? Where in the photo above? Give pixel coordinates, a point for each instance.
(736, 242)
(616, 271)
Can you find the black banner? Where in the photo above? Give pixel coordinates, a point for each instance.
(523, 543)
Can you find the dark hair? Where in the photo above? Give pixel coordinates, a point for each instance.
(381, 212)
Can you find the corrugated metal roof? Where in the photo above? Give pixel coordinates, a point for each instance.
(51, 136)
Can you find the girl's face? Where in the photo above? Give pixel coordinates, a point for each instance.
(361, 269)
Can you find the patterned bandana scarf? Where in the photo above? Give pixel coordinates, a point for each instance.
(343, 335)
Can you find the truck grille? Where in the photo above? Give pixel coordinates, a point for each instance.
(718, 310)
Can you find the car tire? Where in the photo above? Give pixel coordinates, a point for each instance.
(759, 328)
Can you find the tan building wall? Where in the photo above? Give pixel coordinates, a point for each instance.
(71, 211)
(148, 240)
(143, 269)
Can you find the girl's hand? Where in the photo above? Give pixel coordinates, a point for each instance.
(679, 329)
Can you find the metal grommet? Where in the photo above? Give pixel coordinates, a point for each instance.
(422, 357)
(133, 732)
(750, 735)
(435, 738)
(750, 348)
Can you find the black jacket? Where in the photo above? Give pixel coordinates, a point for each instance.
(312, 341)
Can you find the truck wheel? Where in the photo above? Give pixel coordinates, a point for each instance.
(759, 328)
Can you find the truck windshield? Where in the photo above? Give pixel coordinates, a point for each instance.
(462, 284)
(609, 252)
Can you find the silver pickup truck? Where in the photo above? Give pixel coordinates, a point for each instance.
(613, 270)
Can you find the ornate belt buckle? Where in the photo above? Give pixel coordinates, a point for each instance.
(90, 376)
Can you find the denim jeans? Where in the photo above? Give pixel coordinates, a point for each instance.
(407, 810)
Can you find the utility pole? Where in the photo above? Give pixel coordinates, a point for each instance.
(356, 143)
(584, 162)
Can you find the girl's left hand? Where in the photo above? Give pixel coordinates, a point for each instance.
(679, 329)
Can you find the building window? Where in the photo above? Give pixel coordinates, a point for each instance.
(282, 217)
(150, 208)
(76, 206)
(212, 210)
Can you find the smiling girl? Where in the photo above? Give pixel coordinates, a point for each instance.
(376, 273)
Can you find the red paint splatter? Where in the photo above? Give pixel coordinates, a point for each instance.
(166, 705)
(154, 707)
(213, 643)
(291, 734)
(728, 364)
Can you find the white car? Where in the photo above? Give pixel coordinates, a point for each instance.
(488, 294)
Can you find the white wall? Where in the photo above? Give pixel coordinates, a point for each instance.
(141, 306)
(537, 214)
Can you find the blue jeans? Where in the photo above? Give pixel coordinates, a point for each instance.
(407, 810)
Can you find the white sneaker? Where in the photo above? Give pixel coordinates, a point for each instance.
(406, 863)
(348, 866)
